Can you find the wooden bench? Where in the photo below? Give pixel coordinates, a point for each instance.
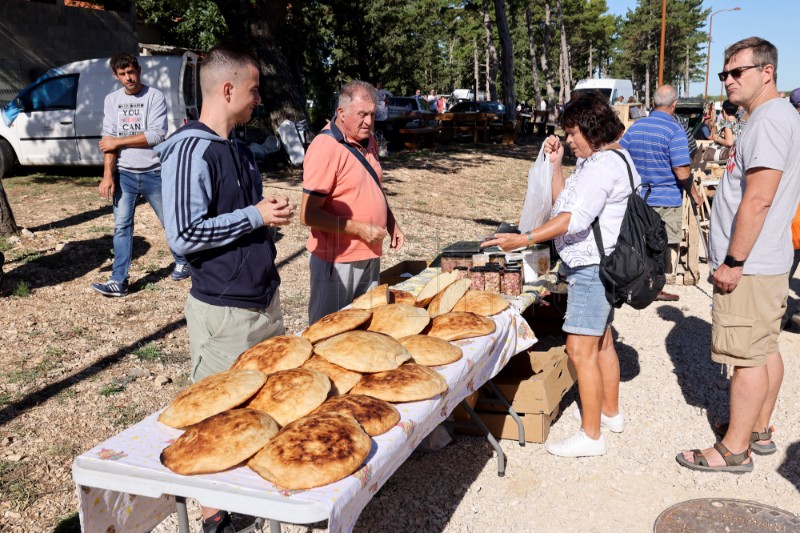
(415, 138)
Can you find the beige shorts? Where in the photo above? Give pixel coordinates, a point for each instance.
(673, 220)
(745, 323)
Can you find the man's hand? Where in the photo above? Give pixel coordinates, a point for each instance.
(106, 187)
(108, 144)
(398, 238)
(727, 278)
(370, 233)
(275, 211)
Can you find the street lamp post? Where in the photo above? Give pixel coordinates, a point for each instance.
(708, 58)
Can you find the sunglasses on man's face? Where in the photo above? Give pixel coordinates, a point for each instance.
(736, 73)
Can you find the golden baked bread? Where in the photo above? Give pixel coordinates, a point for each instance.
(457, 325)
(431, 351)
(397, 296)
(375, 416)
(434, 286)
(363, 351)
(342, 380)
(482, 303)
(312, 452)
(291, 394)
(335, 323)
(444, 301)
(212, 395)
(219, 442)
(398, 320)
(277, 353)
(372, 298)
(409, 383)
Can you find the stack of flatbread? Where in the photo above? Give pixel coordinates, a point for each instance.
(373, 298)
(482, 303)
(362, 351)
(342, 380)
(399, 320)
(375, 416)
(291, 394)
(335, 323)
(431, 351)
(278, 353)
(458, 325)
(408, 383)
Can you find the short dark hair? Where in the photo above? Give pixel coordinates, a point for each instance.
(729, 108)
(123, 61)
(593, 116)
(224, 60)
(764, 53)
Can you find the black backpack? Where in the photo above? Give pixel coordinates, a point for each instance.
(634, 272)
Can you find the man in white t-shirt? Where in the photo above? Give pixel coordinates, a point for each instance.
(750, 255)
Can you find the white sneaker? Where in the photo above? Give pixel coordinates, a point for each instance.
(615, 424)
(578, 444)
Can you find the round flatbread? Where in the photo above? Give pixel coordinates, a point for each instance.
(291, 394)
(434, 286)
(375, 416)
(459, 325)
(481, 303)
(444, 301)
(219, 442)
(278, 353)
(431, 351)
(335, 323)
(372, 298)
(409, 383)
(212, 395)
(397, 296)
(312, 452)
(399, 320)
(363, 351)
(342, 380)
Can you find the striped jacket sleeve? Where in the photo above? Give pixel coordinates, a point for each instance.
(187, 193)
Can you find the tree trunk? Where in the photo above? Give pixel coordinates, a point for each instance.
(254, 25)
(8, 226)
(509, 96)
(491, 55)
(686, 77)
(537, 90)
(591, 70)
(476, 80)
(548, 77)
(565, 61)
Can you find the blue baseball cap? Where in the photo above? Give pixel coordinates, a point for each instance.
(794, 98)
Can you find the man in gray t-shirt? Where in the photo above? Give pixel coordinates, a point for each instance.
(751, 254)
(134, 120)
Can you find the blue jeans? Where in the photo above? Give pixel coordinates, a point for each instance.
(588, 311)
(127, 188)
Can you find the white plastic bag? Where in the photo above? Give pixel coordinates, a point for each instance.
(539, 198)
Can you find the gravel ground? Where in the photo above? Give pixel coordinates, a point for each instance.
(76, 368)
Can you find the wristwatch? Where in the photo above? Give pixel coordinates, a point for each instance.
(530, 238)
(731, 262)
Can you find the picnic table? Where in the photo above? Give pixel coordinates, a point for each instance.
(122, 486)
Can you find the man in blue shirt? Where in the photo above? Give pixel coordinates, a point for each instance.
(660, 152)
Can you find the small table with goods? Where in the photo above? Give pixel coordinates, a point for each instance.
(122, 485)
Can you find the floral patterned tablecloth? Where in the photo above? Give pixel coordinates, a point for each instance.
(122, 486)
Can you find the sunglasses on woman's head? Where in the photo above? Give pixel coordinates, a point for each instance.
(736, 73)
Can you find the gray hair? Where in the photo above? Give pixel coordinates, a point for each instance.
(665, 96)
(355, 89)
(764, 53)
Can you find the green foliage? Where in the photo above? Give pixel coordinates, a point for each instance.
(149, 353)
(196, 25)
(21, 290)
(16, 487)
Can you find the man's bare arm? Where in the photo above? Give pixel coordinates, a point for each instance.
(312, 215)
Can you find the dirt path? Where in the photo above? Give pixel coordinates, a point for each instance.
(77, 368)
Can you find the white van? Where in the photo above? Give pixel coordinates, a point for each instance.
(58, 119)
(612, 88)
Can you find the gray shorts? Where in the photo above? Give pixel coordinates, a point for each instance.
(673, 220)
(336, 285)
(218, 335)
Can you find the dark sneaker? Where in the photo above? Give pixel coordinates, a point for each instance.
(112, 288)
(219, 523)
(180, 272)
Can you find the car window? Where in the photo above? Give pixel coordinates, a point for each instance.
(423, 105)
(54, 93)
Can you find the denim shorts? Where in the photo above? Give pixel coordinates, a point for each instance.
(588, 311)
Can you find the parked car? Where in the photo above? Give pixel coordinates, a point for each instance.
(58, 119)
(406, 104)
(613, 89)
(478, 107)
(691, 112)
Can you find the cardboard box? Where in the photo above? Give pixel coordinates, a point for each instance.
(402, 271)
(536, 425)
(535, 382)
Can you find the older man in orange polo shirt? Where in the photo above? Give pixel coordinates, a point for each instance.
(344, 205)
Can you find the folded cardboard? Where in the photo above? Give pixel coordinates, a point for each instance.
(536, 425)
(402, 271)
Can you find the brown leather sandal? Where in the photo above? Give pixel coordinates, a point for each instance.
(734, 462)
(760, 449)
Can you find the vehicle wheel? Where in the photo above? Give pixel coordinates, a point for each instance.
(6, 159)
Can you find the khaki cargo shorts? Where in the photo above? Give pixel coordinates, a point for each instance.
(745, 323)
(673, 220)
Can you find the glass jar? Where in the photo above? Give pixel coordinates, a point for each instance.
(477, 275)
(450, 260)
(511, 283)
(497, 259)
(479, 260)
(461, 272)
(492, 279)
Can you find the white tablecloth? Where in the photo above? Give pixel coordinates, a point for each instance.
(122, 484)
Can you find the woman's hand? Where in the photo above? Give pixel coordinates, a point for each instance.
(507, 241)
(554, 148)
